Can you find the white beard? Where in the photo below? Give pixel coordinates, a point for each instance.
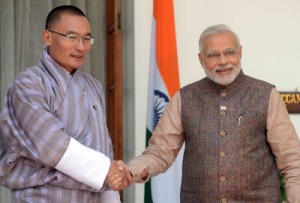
(212, 75)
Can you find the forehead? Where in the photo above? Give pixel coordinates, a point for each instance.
(220, 41)
(71, 22)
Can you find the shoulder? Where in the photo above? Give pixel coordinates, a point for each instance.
(258, 82)
(194, 85)
(31, 72)
(29, 84)
(30, 76)
(257, 86)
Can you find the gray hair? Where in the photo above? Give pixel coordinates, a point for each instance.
(216, 29)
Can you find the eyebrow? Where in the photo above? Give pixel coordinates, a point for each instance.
(215, 51)
(73, 32)
(229, 49)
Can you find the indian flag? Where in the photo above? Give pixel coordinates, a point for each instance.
(163, 83)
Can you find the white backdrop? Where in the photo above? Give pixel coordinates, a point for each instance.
(269, 31)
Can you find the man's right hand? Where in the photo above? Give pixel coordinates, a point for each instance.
(118, 176)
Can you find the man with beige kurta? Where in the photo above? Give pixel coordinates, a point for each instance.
(237, 132)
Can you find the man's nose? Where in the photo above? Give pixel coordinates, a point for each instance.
(80, 45)
(223, 59)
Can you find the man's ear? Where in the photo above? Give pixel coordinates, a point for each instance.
(200, 57)
(46, 37)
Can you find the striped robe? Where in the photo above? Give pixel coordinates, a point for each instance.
(44, 107)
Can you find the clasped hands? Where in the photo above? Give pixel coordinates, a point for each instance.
(118, 176)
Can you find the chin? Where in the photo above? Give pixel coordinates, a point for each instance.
(77, 66)
(223, 80)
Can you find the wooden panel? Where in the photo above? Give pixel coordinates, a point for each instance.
(114, 75)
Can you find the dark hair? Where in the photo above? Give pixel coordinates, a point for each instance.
(55, 14)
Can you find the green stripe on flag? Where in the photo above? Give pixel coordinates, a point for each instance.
(148, 194)
(148, 136)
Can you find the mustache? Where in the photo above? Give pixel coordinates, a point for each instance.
(224, 67)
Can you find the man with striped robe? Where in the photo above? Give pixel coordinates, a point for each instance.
(54, 141)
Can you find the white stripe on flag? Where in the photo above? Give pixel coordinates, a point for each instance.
(165, 187)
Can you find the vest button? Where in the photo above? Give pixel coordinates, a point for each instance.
(223, 200)
(223, 94)
(222, 133)
(222, 154)
(222, 178)
(222, 113)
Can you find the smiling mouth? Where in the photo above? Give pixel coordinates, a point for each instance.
(224, 70)
(75, 56)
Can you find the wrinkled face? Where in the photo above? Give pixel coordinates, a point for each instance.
(221, 58)
(68, 52)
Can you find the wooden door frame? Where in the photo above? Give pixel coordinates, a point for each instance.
(114, 75)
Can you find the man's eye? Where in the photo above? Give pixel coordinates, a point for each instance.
(229, 53)
(213, 55)
(87, 38)
(72, 37)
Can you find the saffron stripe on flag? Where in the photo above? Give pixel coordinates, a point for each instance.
(163, 84)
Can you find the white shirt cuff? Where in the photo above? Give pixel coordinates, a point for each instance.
(84, 164)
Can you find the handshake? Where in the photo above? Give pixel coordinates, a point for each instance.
(118, 176)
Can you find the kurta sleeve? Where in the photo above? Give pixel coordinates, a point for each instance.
(285, 145)
(164, 144)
